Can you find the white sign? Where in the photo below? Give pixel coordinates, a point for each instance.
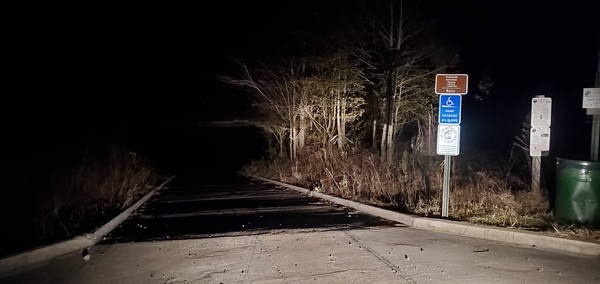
(541, 112)
(448, 140)
(539, 140)
(591, 97)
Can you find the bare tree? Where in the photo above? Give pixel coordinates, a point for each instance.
(306, 99)
(401, 73)
(337, 97)
(383, 69)
(277, 100)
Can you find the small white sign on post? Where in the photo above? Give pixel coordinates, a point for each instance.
(541, 119)
(591, 100)
(591, 97)
(541, 112)
(539, 136)
(539, 141)
(448, 141)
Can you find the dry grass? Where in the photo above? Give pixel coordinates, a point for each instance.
(360, 176)
(101, 183)
(482, 191)
(573, 231)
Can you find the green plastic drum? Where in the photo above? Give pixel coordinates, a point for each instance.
(577, 191)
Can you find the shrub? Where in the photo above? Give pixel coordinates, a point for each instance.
(100, 185)
(482, 191)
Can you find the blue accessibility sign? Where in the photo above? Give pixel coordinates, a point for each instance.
(450, 105)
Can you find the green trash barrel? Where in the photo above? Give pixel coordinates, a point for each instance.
(577, 191)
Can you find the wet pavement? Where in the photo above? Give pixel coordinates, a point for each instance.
(198, 207)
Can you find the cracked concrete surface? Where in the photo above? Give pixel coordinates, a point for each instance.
(373, 255)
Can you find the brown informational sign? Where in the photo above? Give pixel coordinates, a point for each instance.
(451, 84)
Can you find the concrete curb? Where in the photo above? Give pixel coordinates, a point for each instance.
(40, 255)
(512, 236)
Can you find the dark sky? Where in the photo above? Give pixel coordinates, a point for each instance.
(99, 65)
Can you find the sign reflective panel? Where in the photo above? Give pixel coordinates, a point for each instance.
(591, 98)
(448, 140)
(541, 112)
(450, 108)
(539, 141)
(451, 84)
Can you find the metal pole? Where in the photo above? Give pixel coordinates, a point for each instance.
(596, 118)
(595, 137)
(446, 186)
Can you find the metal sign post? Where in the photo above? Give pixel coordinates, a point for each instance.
(595, 143)
(446, 185)
(591, 102)
(450, 87)
(448, 144)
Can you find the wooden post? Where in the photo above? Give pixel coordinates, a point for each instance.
(536, 164)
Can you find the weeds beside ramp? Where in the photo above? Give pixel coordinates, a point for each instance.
(43, 254)
(513, 236)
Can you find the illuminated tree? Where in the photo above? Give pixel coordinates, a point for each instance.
(400, 63)
(377, 73)
(303, 100)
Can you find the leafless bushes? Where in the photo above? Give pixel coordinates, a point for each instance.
(101, 183)
(478, 194)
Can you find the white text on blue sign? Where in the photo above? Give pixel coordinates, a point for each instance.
(450, 107)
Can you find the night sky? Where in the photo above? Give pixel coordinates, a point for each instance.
(98, 71)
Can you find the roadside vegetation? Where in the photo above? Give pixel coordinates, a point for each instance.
(74, 194)
(487, 192)
(357, 118)
(98, 186)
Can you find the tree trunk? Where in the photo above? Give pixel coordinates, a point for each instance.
(339, 121)
(430, 133)
(388, 135)
(343, 123)
(374, 136)
(280, 136)
(302, 132)
(390, 144)
(375, 121)
(383, 146)
(293, 142)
